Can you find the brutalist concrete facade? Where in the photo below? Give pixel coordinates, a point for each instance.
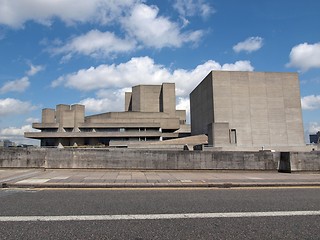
(239, 110)
(149, 115)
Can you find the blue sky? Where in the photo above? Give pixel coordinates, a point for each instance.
(91, 52)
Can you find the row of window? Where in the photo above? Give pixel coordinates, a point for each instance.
(88, 141)
(106, 129)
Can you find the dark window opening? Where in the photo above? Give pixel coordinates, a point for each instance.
(233, 136)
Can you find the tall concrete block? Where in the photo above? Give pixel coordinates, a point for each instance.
(136, 99)
(202, 105)
(78, 113)
(48, 115)
(168, 98)
(146, 98)
(262, 108)
(128, 102)
(59, 111)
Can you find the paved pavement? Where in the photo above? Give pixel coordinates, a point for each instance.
(85, 178)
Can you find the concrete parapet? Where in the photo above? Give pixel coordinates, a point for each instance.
(156, 159)
(305, 162)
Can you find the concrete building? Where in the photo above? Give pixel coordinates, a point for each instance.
(248, 110)
(315, 138)
(150, 115)
(7, 143)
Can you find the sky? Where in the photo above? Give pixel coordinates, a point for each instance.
(91, 52)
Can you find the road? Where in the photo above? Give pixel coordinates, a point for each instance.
(160, 213)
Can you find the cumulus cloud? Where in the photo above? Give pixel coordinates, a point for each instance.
(34, 69)
(13, 131)
(189, 8)
(11, 106)
(311, 102)
(141, 26)
(108, 100)
(15, 13)
(32, 120)
(249, 45)
(16, 135)
(152, 30)
(143, 70)
(112, 81)
(183, 103)
(314, 127)
(96, 44)
(305, 56)
(141, 23)
(19, 85)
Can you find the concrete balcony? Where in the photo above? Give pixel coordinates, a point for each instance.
(40, 135)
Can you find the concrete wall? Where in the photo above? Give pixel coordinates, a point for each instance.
(300, 161)
(144, 159)
(48, 115)
(146, 98)
(263, 108)
(201, 106)
(168, 99)
(128, 101)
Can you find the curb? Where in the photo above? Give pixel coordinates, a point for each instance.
(158, 185)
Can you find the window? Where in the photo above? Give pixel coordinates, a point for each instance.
(233, 136)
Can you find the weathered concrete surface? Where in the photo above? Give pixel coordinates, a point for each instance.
(248, 109)
(144, 159)
(303, 162)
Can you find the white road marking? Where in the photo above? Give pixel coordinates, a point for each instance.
(186, 181)
(35, 180)
(60, 178)
(156, 216)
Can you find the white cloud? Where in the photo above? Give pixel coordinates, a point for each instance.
(143, 70)
(314, 127)
(311, 102)
(32, 120)
(17, 135)
(13, 131)
(11, 106)
(34, 69)
(112, 81)
(15, 13)
(139, 21)
(141, 24)
(251, 44)
(305, 56)
(183, 103)
(96, 44)
(152, 30)
(108, 100)
(19, 85)
(191, 8)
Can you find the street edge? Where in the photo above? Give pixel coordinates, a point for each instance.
(158, 185)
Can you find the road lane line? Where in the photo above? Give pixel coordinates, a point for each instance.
(156, 216)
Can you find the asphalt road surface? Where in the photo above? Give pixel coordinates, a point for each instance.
(279, 213)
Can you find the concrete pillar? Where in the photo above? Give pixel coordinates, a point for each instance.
(168, 99)
(128, 102)
(48, 115)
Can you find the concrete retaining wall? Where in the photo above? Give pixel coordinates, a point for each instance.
(144, 159)
(303, 162)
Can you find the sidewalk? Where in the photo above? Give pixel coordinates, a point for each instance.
(102, 178)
